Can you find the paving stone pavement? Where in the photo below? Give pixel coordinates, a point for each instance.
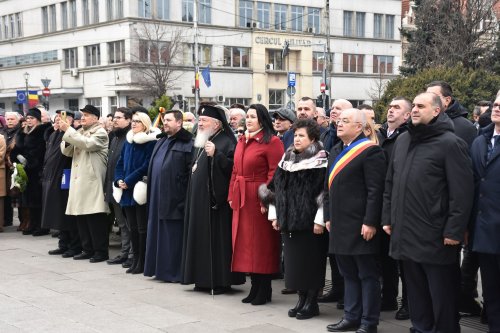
(43, 293)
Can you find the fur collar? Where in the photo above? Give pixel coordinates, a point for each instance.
(143, 137)
(312, 158)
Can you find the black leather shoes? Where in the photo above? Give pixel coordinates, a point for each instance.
(117, 260)
(98, 259)
(56, 252)
(69, 254)
(82, 256)
(403, 313)
(330, 297)
(343, 325)
(367, 329)
(127, 263)
(41, 232)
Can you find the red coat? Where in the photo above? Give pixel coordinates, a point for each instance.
(255, 242)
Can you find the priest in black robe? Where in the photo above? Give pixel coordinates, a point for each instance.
(207, 248)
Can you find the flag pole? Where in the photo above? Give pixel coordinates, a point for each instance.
(196, 60)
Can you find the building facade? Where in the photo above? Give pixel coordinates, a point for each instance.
(101, 52)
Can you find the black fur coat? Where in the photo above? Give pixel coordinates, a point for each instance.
(297, 188)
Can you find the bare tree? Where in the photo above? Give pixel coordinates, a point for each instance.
(156, 64)
(450, 32)
(377, 87)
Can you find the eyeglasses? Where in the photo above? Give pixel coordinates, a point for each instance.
(135, 121)
(240, 131)
(346, 121)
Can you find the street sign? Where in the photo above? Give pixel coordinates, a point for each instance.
(46, 92)
(290, 105)
(45, 83)
(291, 79)
(290, 91)
(322, 87)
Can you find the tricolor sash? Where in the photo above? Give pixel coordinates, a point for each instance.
(346, 156)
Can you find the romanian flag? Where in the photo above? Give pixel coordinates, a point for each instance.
(32, 98)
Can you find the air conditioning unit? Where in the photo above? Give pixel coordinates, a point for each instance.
(220, 99)
(270, 67)
(310, 30)
(249, 24)
(74, 72)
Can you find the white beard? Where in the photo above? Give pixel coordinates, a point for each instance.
(202, 137)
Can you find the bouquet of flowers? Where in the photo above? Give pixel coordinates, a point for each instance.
(19, 177)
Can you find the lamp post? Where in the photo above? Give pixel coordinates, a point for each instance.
(26, 78)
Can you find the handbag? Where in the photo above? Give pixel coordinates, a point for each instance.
(117, 193)
(140, 194)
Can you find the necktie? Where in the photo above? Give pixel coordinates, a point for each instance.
(491, 147)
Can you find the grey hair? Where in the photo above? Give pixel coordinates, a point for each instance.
(359, 116)
(237, 111)
(13, 113)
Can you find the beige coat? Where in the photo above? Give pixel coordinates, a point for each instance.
(89, 149)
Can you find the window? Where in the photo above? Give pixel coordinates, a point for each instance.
(145, 8)
(97, 102)
(274, 58)
(92, 55)
(95, 11)
(313, 19)
(383, 26)
(280, 17)
(52, 12)
(162, 9)
(383, 64)
(72, 104)
(85, 9)
(389, 26)
(64, 15)
(72, 13)
(204, 54)
(205, 12)
(187, 10)
(236, 57)
(110, 9)
(12, 26)
(116, 51)
(246, 8)
(119, 9)
(45, 22)
(70, 58)
(276, 99)
(318, 61)
(378, 26)
(297, 18)
(233, 100)
(113, 104)
(354, 24)
(353, 63)
(31, 58)
(264, 14)
(154, 52)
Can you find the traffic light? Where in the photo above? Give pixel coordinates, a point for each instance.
(319, 102)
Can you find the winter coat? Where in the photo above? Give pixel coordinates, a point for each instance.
(134, 161)
(464, 128)
(485, 229)
(353, 199)
(115, 150)
(387, 143)
(296, 189)
(89, 148)
(428, 193)
(255, 242)
(31, 145)
(177, 160)
(329, 137)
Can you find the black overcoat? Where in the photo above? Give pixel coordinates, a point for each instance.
(354, 199)
(428, 193)
(54, 199)
(114, 152)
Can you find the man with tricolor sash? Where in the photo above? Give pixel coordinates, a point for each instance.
(353, 205)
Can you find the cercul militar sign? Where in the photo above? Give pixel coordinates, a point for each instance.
(280, 41)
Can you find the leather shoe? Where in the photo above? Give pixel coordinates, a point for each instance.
(127, 263)
(367, 329)
(117, 260)
(98, 259)
(41, 232)
(82, 256)
(330, 297)
(402, 313)
(56, 252)
(287, 291)
(343, 325)
(69, 254)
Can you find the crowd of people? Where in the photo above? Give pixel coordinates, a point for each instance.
(216, 198)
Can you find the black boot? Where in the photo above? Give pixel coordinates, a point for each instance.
(253, 290)
(299, 305)
(310, 308)
(139, 269)
(264, 292)
(134, 239)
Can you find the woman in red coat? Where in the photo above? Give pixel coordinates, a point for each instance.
(255, 242)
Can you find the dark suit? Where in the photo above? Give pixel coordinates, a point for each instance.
(353, 199)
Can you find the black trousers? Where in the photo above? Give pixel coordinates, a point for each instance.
(8, 212)
(390, 273)
(490, 274)
(93, 229)
(432, 296)
(362, 288)
(69, 238)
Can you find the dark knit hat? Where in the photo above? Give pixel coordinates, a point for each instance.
(35, 113)
(92, 110)
(139, 108)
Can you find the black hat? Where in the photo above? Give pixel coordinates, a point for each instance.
(70, 113)
(285, 113)
(139, 108)
(91, 109)
(218, 112)
(35, 113)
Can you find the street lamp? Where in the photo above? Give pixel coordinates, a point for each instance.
(26, 78)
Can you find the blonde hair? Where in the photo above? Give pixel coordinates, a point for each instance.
(145, 120)
(370, 132)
